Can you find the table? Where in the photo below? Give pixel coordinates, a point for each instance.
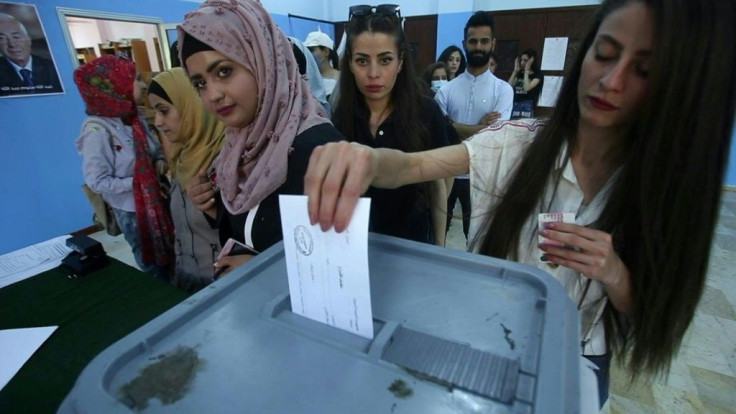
(92, 313)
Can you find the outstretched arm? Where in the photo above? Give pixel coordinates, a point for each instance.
(438, 210)
(340, 172)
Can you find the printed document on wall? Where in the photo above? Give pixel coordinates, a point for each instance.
(328, 271)
(554, 53)
(550, 91)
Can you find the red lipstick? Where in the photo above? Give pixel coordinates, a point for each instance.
(225, 110)
(601, 104)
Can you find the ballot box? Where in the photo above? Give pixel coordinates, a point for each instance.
(454, 332)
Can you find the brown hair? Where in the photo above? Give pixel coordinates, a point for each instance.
(664, 204)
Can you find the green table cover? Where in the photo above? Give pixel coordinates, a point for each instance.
(92, 312)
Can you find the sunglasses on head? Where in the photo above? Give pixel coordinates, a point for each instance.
(382, 9)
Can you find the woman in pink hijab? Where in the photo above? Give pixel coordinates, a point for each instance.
(243, 68)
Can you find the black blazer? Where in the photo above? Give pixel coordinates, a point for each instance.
(45, 78)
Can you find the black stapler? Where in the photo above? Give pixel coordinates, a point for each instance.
(88, 255)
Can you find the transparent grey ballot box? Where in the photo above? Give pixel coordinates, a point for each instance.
(454, 332)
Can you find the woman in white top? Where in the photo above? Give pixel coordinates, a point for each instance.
(635, 150)
(323, 49)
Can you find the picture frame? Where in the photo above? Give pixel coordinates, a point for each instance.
(27, 66)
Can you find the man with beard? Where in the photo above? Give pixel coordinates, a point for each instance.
(474, 99)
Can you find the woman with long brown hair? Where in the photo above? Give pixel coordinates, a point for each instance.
(382, 105)
(635, 150)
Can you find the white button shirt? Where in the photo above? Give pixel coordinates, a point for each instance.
(467, 98)
(494, 155)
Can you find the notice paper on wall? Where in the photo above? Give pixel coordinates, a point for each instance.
(328, 271)
(550, 91)
(554, 53)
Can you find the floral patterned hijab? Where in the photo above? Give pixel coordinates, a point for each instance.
(106, 86)
(254, 161)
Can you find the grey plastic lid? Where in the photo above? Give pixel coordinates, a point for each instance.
(454, 332)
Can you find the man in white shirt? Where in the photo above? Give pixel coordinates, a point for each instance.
(474, 99)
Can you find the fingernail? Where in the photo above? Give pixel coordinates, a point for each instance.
(544, 232)
(543, 258)
(550, 225)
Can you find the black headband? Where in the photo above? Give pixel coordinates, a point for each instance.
(191, 45)
(156, 89)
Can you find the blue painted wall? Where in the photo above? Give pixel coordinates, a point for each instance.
(300, 28)
(41, 170)
(450, 30)
(40, 167)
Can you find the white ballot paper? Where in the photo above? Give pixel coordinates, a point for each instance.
(328, 271)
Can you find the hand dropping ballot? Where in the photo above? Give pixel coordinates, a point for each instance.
(328, 271)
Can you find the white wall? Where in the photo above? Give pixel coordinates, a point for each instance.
(84, 33)
(116, 31)
(315, 9)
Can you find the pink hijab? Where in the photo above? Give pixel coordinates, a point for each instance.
(254, 161)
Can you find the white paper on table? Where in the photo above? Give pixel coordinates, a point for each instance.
(16, 346)
(554, 53)
(32, 260)
(550, 91)
(328, 271)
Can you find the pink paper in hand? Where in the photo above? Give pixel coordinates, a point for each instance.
(234, 247)
(545, 218)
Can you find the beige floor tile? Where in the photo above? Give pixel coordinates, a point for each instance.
(705, 349)
(622, 405)
(679, 377)
(722, 274)
(621, 386)
(714, 303)
(116, 247)
(717, 391)
(723, 331)
(671, 400)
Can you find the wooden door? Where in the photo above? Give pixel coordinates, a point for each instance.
(421, 33)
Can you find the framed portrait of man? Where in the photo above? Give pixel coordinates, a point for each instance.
(27, 67)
